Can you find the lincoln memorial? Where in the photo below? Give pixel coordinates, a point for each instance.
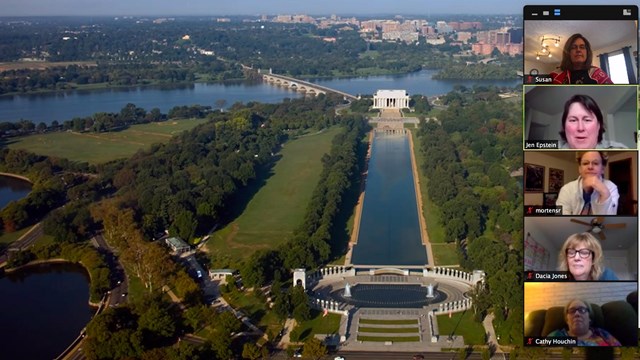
(390, 99)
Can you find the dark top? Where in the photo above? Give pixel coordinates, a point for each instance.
(581, 77)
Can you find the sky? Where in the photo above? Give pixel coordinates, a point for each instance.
(271, 7)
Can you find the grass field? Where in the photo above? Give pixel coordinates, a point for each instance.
(388, 330)
(278, 207)
(389, 338)
(318, 324)
(256, 309)
(462, 324)
(443, 253)
(41, 65)
(8, 238)
(96, 148)
(389, 322)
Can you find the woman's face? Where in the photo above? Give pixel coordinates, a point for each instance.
(579, 264)
(581, 127)
(591, 165)
(578, 53)
(578, 318)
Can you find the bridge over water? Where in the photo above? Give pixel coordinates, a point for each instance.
(302, 86)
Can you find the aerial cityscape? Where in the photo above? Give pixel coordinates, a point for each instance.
(297, 184)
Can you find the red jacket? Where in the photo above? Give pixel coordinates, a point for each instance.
(595, 73)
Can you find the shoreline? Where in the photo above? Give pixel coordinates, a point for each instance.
(353, 241)
(36, 263)
(16, 176)
(416, 185)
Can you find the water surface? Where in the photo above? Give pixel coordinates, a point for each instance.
(42, 310)
(389, 227)
(12, 189)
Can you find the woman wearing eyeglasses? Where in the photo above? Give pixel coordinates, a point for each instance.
(576, 67)
(581, 256)
(578, 315)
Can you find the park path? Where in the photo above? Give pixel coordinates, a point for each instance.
(492, 340)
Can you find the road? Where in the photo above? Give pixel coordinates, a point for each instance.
(26, 240)
(389, 355)
(119, 294)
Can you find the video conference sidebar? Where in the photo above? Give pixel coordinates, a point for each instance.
(580, 175)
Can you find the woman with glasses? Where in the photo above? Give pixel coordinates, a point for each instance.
(590, 193)
(581, 256)
(578, 315)
(576, 67)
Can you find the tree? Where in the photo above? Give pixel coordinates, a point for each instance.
(314, 349)
(228, 323)
(220, 103)
(251, 351)
(157, 324)
(221, 345)
(184, 226)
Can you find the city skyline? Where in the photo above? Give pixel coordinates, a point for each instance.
(272, 7)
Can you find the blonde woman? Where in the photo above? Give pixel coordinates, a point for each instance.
(581, 256)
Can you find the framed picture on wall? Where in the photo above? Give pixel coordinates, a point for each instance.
(549, 198)
(556, 179)
(533, 178)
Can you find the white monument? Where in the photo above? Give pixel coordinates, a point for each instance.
(391, 99)
(347, 290)
(300, 278)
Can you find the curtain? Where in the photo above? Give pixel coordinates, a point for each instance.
(628, 61)
(604, 65)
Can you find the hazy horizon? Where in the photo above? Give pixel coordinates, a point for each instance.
(271, 7)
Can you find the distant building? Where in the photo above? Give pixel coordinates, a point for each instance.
(221, 274)
(443, 28)
(177, 245)
(516, 35)
(464, 36)
(390, 99)
(427, 30)
(482, 48)
(502, 38)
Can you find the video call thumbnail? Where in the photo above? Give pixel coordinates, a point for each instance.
(580, 117)
(581, 248)
(586, 45)
(581, 314)
(581, 183)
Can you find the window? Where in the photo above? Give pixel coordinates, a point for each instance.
(617, 68)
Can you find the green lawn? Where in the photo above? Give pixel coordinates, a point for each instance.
(96, 148)
(443, 253)
(430, 210)
(318, 324)
(278, 207)
(389, 322)
(462, 324)
(255, 308)
(389, 338)
(388, 330)
(8, 238)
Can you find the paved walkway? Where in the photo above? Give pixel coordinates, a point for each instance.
(289, 325)
(421, 318)
(492, 340)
